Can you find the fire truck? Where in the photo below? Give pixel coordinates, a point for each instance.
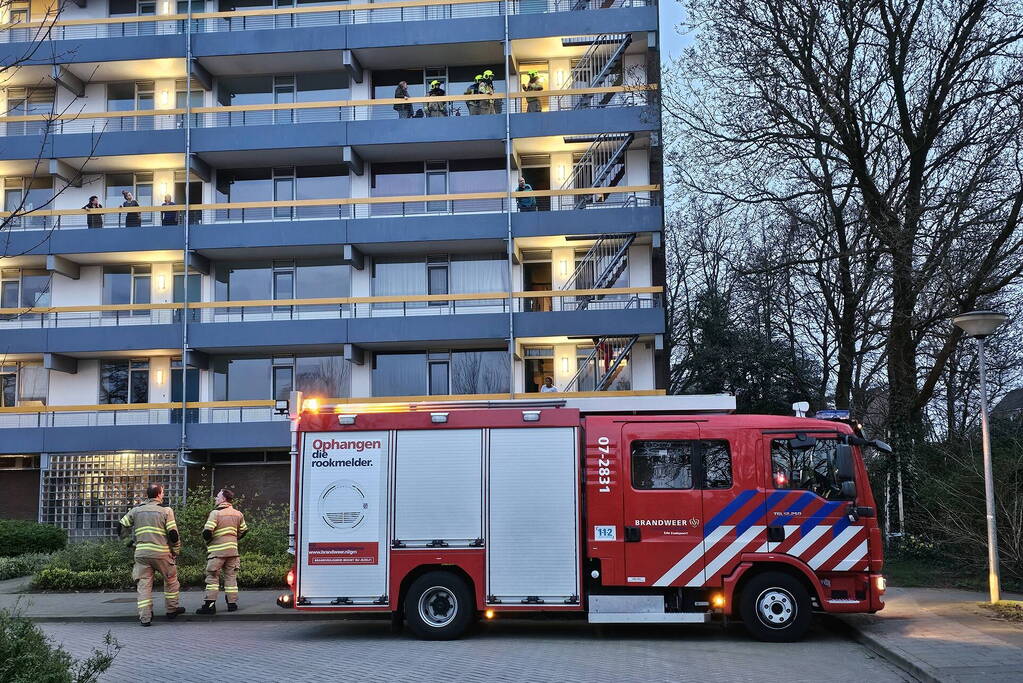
(663, 509)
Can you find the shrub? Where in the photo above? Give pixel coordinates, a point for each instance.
(28, 656)
(21, 565)
(19, 537)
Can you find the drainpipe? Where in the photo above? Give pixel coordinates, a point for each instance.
(183, 449)
(508, 213)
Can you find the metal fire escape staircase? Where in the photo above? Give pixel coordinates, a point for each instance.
(593, 69)
(601, 165)
(600, 268)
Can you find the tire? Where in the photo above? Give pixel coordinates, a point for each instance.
(775, 608)
(439, 606)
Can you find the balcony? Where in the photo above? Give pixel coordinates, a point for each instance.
(305, 226)
(251, 326)
(404, 12)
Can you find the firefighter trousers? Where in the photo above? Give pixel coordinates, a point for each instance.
(228, 566)
(143, 572)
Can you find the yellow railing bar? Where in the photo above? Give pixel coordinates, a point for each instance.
(352, 401)
(339, 201)
(327, 104)
(331, 301)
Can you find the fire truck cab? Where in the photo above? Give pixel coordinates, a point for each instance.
(637, 510)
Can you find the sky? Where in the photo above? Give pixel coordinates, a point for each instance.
(671, 42)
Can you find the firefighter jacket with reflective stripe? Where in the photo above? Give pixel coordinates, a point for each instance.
(223, 528)
(151, 525)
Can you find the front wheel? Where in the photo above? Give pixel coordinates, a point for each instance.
(439, 606)
(775, 608)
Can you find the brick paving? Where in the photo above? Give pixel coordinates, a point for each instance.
(515, 650)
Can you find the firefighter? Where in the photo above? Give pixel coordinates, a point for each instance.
(474, 89)
(223, 529)
(485, 86)
(495, 103)
(155, 536)
(436, 108)
(534, 85)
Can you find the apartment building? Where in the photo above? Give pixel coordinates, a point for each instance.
(296, 222)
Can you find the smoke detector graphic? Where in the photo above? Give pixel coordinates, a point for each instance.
(343, 504)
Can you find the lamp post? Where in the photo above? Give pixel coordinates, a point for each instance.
(980, 324)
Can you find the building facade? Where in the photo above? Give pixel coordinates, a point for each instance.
(209, 205)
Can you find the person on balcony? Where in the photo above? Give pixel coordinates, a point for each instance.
(486, 87)
(401, 93)
(168, 217)
(534, 85)
(525, 203)
(474, 89)
(93, 220)
(132, 219)
(436, 108)
(548, 386)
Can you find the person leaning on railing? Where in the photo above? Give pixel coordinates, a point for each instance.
(168, 217)
(93, 220)
(404, 109)
(132, 219)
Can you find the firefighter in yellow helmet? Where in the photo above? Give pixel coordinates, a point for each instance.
(486, 87)
(436, 108)
(533, 85)
(223, 529)
(474, 89)
(488, 81)
(155, 536)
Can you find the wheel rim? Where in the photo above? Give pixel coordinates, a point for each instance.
(776, 608)
(438, 606)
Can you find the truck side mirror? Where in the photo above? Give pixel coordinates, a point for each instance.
(844, 463)
(849, 490)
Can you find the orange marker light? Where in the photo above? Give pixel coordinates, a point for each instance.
(291, 577)
(311, 405)
(717, 600)
(489, 614)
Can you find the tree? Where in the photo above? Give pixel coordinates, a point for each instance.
(893, 128)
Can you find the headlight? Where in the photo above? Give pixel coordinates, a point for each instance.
(880, 583)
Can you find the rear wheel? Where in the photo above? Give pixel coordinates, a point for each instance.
(775, 607)
(439, 606)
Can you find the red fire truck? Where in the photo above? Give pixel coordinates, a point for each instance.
(660, 509)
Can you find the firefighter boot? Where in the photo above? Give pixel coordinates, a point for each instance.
(231, 606)
(208, 607)
(175, 612)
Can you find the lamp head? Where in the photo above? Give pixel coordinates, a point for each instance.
(979, 324)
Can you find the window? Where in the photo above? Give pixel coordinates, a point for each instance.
(24, 288)
(806, 469)
(662, 465)
(717, 465)
(8, 387)
(440, 372)
(127, 285)
(123, 381)
(236, 379)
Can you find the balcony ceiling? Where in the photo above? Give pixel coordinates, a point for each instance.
(542, 49)
(273, 63)
(555, 144)
(419, 56)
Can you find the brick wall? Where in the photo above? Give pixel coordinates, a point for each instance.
(19, 494)
(259, 484)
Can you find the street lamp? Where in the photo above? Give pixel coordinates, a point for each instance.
(980, 324)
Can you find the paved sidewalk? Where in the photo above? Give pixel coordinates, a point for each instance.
(84, 607)
(943, 635)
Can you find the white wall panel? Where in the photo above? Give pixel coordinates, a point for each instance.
(439, 486)
(533, 537)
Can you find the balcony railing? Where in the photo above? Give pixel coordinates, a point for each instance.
(293, 17)
(146, 217)
(331, 111)
(337, 308)
(230, 412)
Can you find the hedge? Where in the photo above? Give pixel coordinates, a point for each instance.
(20, 537)
(22, 565)
(106, 565)
(28, 656)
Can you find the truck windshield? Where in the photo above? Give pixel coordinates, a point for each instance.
(806, 469)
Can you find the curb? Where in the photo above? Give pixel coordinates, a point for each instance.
(912, 666)
(284, 616)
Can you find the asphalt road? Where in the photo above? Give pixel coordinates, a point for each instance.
(514, 650)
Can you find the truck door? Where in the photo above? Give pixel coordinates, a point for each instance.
(662, 506)
(811, 520)
(733, 497)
